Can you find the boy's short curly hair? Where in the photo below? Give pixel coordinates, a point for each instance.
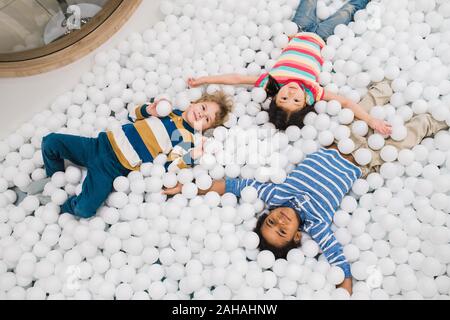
(279, 253)
(223, 100)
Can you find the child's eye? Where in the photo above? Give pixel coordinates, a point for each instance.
(270, 221)
(283, 232)
(296, 100)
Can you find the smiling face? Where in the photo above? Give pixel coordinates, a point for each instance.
(281, 227)
(291, 97)
(202, 115)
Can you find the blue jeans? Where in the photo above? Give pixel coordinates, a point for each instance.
(306, 17)
(97, 155)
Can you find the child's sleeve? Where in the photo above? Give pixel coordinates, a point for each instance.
(139, 112)
(314, 92)
(267, 192)
(262, 80)
(180, 157)
(331, 248)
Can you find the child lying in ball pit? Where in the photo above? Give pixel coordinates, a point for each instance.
(293, 82)
(293, 85)
(311, 194)
(117, 152)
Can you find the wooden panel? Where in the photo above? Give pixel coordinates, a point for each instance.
(73, 52)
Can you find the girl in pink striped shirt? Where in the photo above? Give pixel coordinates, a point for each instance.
(293, 84)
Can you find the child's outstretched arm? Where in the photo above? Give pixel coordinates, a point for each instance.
(217, 186)
(272, 194)
(229, 79)
(145, 110)
(332, 249)
(378, 125)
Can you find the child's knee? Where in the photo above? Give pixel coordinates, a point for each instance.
(48, 141)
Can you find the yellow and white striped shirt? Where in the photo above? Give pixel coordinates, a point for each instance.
(148, 136)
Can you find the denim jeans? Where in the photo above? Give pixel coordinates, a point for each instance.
(306, 17)
(97, 155)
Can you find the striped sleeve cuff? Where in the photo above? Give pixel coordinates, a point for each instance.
(261, 80)
(141, 112)
(346, 268)
(320, 94)
(232, 186)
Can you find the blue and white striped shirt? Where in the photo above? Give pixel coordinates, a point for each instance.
(314, 189)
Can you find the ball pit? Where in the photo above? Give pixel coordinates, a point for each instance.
(394, 225)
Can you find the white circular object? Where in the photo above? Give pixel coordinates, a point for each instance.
(163, 108)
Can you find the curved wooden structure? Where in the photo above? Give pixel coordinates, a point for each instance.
(71, 47)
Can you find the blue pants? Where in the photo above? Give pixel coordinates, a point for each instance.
(97, 155)
(306, 17)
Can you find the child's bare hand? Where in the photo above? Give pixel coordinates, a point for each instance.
(193, 83)
(173, 191)
(347, 285)
(151, 109)
(380, 126)
(198, 151)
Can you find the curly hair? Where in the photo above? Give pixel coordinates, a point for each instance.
(279, 253)
(224, 102)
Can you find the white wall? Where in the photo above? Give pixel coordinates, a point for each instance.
(21, 98)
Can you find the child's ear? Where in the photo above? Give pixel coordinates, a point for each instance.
(297, 237)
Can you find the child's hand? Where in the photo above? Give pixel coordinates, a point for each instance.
(347, 285)
(173, 191)
(193, 83)
(198, 151)
(151, 109)
(380, 126)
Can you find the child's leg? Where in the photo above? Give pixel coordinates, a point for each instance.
(378, 95)
(57, 147)
(305, 16)
(419, 127)
(102, 170)
(343, 16)
(96, 187)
